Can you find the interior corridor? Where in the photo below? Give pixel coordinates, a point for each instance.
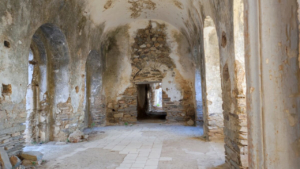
(158, 84)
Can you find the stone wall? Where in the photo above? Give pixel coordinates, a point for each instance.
(123, 110)
(64, 118)
(151, 62)
(86, 30)
(11, 134)
(213, 112)
(53, 116)
(94, 99)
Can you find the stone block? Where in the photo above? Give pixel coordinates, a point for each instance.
(110, 105)
(4, 160)
(32, 155)
(15, 161)
(76, 136)
(119, 115)
(190, 123)
(28, 163)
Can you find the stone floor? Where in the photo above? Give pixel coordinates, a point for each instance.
(144, 145)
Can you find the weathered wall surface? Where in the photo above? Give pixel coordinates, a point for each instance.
(213, 123)
(84, 31)
(273, 83)
(155, 56)
(62, 104)
(235, 131)
(94, 98)
(19, 22)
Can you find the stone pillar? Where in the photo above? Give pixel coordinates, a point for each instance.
(272, 73)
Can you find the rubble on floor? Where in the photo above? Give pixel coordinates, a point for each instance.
(4, 160)
(29, 159)
(32, 158)
(15, 161)
(77, 136)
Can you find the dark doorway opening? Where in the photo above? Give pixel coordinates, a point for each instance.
(150, 105)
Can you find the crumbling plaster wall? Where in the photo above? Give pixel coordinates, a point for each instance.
(19, 22)
(235, 130)
(135, 69)
(213, 121)
(83, 31)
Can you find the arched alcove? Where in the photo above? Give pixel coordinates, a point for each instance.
(212, 95)
(94, 114)
(199, 102)
(37, 129)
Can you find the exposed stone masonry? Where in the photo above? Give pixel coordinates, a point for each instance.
(64, 118)
(151, 46)
(146, 75)
(236, 140)
(98, 111)
(12, 143)
(150, 61)
(61, 42)
(123, 110)
(11, 137)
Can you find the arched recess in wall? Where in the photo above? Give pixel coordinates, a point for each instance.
(47, 99)
(95, 105)
(198, 90)
(212, 90)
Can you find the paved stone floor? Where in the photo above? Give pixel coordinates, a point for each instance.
(141, 146)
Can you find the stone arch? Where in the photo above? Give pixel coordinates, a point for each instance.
(94, 113)
(212, 89)
(49, 85)
(37, 131)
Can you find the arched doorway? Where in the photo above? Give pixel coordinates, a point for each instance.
(95, 105)
(48, 86)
